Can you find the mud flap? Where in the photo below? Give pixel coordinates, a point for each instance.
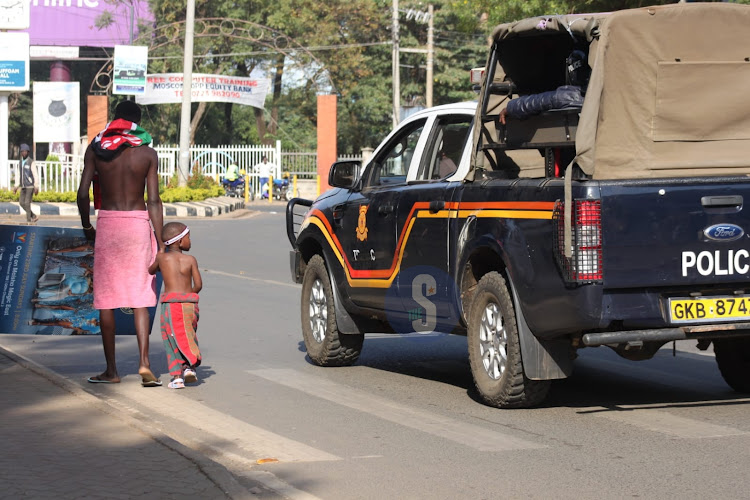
(542, 359)
(344, 322)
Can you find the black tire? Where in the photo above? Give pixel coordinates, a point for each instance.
(495, 350)
(325, 345)
(733, 358)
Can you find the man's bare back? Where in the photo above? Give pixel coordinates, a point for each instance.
(122, 181)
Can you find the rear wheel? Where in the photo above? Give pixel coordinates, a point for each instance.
(325, 345)
(495, 350)
(733, 358)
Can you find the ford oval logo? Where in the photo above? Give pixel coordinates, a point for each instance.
(724, 232)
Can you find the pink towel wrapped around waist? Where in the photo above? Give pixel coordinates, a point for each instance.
(125, 247)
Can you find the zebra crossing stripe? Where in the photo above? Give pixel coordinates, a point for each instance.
(473, 436)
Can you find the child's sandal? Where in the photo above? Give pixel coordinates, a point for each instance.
(190, 376)
(176, 383)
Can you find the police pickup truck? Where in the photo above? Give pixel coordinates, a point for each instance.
(619, 222)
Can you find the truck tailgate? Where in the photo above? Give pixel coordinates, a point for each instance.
(680, 233)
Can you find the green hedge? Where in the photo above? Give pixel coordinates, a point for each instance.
(169, 195)
(199, 188)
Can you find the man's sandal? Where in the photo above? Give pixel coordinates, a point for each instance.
(176, 383)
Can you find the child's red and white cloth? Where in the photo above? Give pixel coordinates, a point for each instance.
(179, 326)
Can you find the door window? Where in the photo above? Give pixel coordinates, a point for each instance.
(445, 148)
(392, 162)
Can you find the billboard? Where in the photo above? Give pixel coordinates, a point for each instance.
(46, 283)
(14, 62)
(57, 112)
(129, 75)
(72, 23)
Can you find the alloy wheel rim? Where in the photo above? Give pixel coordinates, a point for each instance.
(493, 341)
(318, 311)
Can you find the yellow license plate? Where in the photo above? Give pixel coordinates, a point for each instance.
(709, 309)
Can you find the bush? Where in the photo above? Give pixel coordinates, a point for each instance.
(42, 196)
(169, 195)
(196, 180)
(172, 195)
(53, 196)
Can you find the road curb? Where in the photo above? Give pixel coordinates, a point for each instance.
(215, 472)
(206, 208)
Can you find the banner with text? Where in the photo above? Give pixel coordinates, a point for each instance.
(166, 88)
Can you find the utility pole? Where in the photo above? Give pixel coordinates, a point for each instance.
(395, 68)
(187, 88)
(429, 51)
(430, 57)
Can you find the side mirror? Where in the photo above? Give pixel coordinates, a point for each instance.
(344, 174)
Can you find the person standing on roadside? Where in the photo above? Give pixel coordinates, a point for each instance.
(27, 181)
(263, 169)
(126, 244)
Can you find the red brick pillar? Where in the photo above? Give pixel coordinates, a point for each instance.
(327, 153)
(96, 115)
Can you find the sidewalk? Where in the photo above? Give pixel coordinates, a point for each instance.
(207, 208)
(61, 442)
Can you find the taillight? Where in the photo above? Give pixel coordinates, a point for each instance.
(585, 263)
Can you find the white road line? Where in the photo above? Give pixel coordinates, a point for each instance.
(250, 278)
(672, 425)
(222, 432)
(476, 437)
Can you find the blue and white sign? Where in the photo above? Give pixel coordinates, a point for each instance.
(14, 62)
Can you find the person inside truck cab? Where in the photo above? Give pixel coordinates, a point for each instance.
(446, 166)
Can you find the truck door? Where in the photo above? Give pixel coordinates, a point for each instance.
(425, 286)
(366, 224)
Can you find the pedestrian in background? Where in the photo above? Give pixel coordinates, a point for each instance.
(27, 181)
(263, 169)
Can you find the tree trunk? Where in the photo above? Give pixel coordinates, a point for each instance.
(196, 120)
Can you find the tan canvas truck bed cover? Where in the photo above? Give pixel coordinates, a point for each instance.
(668, 93)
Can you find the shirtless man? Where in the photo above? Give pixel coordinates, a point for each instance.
(126, 245)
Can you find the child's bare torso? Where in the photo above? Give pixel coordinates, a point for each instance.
(177, 271)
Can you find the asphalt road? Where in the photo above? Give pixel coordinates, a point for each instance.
(405, 421)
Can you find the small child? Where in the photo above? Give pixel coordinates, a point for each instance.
(179, 304)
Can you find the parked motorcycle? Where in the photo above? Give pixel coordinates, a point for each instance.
(282, 190)
(236, 188)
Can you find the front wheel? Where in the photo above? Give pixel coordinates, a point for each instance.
(325, 345)
(733, 359)
(495, 350)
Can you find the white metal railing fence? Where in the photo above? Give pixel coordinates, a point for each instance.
(59, 176)
(214, 160)
(65, 175)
